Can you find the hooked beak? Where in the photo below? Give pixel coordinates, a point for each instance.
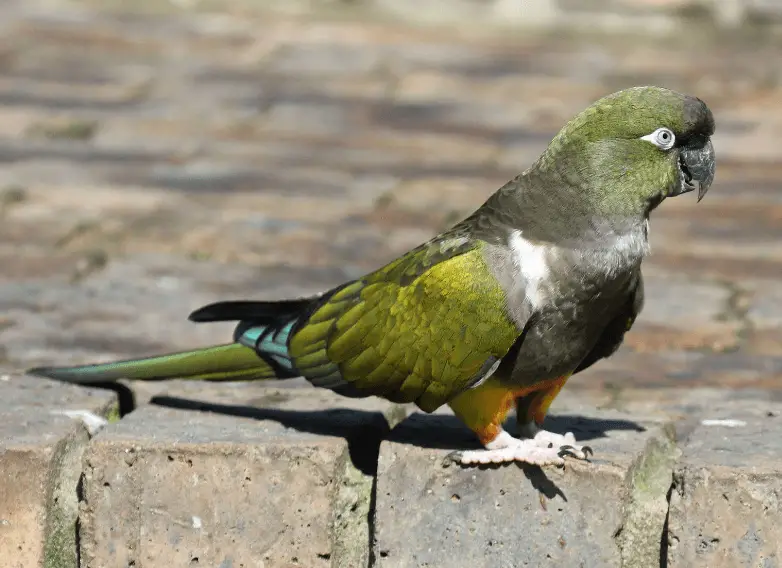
(696, 169)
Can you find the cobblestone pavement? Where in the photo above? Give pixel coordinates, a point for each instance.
(150, 163)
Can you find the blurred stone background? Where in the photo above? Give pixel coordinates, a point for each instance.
(159, 155)
(155, 156)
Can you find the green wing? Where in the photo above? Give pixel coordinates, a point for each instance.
(421, 329)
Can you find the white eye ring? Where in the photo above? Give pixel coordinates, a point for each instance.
(663, 138)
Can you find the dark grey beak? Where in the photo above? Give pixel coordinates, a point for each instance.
(696, 169)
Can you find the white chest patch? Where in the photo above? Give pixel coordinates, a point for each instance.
(530, 260)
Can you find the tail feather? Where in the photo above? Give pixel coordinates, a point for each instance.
(260, 312)
(231, 362)
(259, 351)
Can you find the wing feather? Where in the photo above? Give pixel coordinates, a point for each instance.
(422, 329)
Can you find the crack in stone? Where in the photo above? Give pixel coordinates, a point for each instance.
(664, 537)
(353, 503)
(77, 528)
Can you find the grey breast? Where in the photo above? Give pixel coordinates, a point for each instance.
(565, 302)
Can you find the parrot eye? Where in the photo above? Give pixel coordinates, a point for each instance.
(663, 138)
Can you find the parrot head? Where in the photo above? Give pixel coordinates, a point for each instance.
(632, 149)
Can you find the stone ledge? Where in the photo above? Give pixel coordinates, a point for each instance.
(726, 503)
(609, 512)
(253, 474)
(40, 465)
(285, 484)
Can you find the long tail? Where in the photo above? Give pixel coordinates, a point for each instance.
(260, 350)
(223, 362)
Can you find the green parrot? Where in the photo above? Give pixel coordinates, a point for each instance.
(539, 283)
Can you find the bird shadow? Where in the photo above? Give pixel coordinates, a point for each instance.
(364, 431)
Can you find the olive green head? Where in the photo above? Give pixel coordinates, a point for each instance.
(632, 149)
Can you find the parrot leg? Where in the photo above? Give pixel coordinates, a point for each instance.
(531, 410)
(484, 409)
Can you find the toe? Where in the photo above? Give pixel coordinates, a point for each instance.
(546, 459)
(577, 452)
(571, 452)
(522, 452)
(536, 455)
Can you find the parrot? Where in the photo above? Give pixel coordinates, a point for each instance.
(539, 283)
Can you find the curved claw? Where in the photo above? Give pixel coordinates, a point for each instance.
(567, 450)
(581, 453)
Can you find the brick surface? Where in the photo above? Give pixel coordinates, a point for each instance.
(127, 199)
(279, 484)
(721, 479)
(725, 504)
(764, 312)
(685, 314)
(605, 513)
(40, 466)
